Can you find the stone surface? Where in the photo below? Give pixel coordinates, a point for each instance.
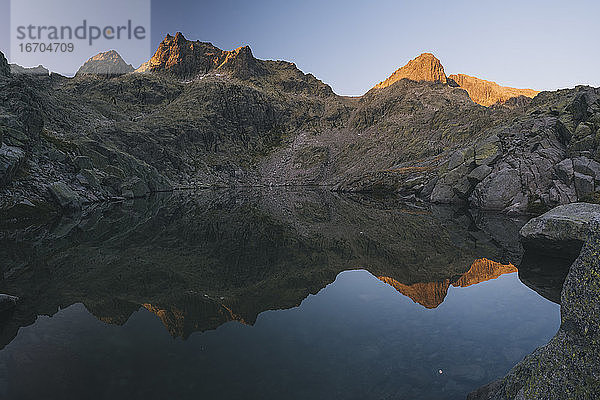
(11, 158)
(423, 68)
(568, 367)
(7, 302)
(108, 63)
(64, 196)
(487, 93)
(560, 231)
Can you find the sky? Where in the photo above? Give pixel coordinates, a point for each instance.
(352, 45)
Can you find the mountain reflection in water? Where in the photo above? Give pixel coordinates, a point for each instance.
(432, 294)
(200, 260)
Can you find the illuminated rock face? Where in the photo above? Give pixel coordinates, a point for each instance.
(423, 68)
(185, 58)
(487, 93)
(429, 294)
(432, 294)
(483, 270)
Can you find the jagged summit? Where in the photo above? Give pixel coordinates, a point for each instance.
(425, 67)
(487, 93)
(185, 58)
(107, 63)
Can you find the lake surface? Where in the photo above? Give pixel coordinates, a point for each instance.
(267, 294)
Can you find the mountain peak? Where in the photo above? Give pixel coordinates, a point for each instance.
(107, 63)
(185, 58)
(425, 67)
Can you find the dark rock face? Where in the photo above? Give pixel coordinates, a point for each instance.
(4, 68)
(561, 231)
(569, 365)
(108, 63)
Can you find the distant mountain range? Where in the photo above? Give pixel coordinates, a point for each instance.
(198, 116)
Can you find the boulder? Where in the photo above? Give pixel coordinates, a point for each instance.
(64, 196)
(479, 173)
(568, 367)
(561, 231)
(7, 302)
(11, 158)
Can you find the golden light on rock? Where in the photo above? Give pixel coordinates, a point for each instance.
(432, 294)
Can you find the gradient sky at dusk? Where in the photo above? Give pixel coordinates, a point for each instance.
(352, 45)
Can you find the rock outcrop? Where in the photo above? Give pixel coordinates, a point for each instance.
(568, 366)
(187, 59)
(488, 93)
(4, 67)
(425, 67)
(7, 302)
(108, 63)
(561, 231)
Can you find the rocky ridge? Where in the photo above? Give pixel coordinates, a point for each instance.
(108, 63)
(199, 116)
(488, 93)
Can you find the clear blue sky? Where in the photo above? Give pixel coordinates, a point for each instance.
(352, 45)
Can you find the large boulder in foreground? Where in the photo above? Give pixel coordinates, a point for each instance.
(568, 367)
(561, 231)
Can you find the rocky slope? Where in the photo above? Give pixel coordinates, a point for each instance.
(488, 93)
(197, 116)
(108, 63)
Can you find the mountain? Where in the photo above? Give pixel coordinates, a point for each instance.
(423, 68)
(428, 68)
(108, 63)
(488, 93)
(16, 69)
(204, 117)
(432, 294)
(185, 59)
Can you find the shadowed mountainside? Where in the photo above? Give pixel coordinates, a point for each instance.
(197, 116)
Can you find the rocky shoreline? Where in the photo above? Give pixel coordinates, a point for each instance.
(568, 367)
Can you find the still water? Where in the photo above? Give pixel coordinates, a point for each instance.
(266, 295)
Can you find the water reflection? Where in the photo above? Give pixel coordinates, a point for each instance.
(432, 294)
(217, 262)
